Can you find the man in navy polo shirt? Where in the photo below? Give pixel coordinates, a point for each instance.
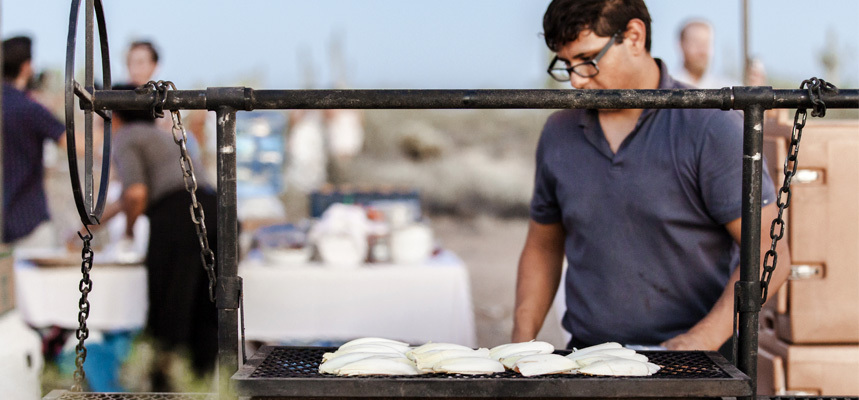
(645, 204)
(26, 126)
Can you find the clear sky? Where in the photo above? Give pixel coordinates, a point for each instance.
(417, 44)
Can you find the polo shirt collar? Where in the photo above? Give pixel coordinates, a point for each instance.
(590, 121)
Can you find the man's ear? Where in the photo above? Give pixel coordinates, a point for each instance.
(26, 69)
(636, 34)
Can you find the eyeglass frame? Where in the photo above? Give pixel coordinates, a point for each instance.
(572, 69)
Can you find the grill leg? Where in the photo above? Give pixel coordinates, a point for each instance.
(749, 294)
(227, 260)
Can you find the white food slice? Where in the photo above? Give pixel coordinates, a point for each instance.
(332, 366)
(525, 348)
(597, 347)
(510, 361)
(469, 366)
(426, 360)
(619, 352)
(364, 348)
(373, 340)
(544, 364)
(589, 359)
(430, 347)
(620, 367)
(399, 346)
(379, 366)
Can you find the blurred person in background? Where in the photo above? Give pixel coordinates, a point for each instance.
(141, 61)
(181, 318)
(27, 125)
(756, 73)
(345, 137)
(644, 204)
(696, 43)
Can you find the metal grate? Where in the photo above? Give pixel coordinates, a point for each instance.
(64, 395)
(293, 372)
(303, 362)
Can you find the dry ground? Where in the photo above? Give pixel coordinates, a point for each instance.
(490, 248)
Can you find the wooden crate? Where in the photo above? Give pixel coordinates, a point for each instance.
(820, 304)
(816, 370)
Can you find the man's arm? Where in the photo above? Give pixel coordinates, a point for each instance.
(712, 331)
(538, 278)
(133, 204)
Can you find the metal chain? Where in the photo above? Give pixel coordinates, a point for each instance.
(207, 256)
(815, 88)
(82, 332)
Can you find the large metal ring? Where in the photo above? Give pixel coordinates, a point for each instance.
(89, 211)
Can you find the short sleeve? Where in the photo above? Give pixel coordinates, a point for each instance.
(129, 163)
(544, 202)
(721, 167)
(44, 123)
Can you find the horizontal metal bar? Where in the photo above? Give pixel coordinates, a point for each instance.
(463, 99)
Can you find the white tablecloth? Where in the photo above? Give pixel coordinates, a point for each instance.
(416, 304)
(49, 296)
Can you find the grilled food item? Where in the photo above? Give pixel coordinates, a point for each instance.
(598, 347)
(379, 366)
(427, 360)
(431, 347)
(332, 366)
(521, 349)
(362, 348)
(394, 344)
(469, 366)
(620, 367)
(621, 352)
(544, 364)
(589, 359)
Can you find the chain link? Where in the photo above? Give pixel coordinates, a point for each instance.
(82, 332)
(180, 137)
(815, 88)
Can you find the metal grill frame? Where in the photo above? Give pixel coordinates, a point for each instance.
(731, 382)
(226, 101)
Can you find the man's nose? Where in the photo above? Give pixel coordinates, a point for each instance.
(577, 82)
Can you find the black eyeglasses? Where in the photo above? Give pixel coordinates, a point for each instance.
(588, 69)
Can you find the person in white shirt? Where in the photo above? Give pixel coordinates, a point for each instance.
(696, 43)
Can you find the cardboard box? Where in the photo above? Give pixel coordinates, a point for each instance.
(820, 303)
(816, 370)
(7, 280)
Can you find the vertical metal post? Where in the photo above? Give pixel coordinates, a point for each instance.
(227, 260)
(748, 289)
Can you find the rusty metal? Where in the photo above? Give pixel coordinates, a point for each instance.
(242, 98)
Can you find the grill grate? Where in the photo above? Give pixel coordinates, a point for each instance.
(64, 395)
(293, 372)
(303, 362)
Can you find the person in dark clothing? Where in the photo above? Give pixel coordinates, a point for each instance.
(26, 127)
(181, 317)
(645, 205)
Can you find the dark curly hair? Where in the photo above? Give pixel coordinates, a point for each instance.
(566, 19)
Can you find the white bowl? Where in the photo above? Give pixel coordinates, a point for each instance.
(286, 257)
